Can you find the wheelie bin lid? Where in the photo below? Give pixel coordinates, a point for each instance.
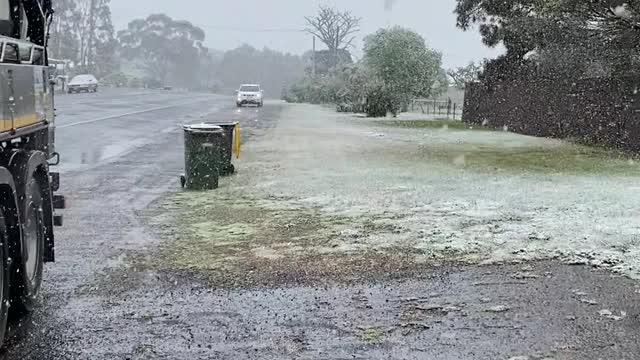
(225, 123)
(202, 127)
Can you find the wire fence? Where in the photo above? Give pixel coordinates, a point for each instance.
(437, 108)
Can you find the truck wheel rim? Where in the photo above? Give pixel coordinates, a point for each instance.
(31, 238)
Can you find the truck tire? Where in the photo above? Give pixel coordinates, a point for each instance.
(4, 279)
(34, 232)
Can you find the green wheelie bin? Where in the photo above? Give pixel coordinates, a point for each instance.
(203, 147)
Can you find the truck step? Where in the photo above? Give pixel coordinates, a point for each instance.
(57, 220)
(59, 202)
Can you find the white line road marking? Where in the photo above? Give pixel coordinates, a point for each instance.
(111, 117)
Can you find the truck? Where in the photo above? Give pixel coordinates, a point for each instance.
(28, 187)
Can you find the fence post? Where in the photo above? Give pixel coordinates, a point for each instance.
(434, 107)
(454, 110)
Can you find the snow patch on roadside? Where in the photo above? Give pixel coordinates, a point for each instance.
(318, 159)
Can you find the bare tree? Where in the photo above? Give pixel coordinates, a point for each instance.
(336, 29)
(463, 75)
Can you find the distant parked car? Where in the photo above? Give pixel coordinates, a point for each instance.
(249, 94)
(168, 88)
(85, 82)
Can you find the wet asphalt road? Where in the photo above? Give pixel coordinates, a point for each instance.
(121, 150)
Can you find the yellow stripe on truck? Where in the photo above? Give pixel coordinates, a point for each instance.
(19, 122)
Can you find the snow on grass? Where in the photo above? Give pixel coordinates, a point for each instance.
(445, 194)
(442, 124)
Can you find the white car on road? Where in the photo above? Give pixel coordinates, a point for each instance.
(249, 94)
(85, 82)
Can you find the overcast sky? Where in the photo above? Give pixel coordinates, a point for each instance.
(230, 23)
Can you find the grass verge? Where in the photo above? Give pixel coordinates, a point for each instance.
(234, 243)
(443, 124)
(493, 151)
